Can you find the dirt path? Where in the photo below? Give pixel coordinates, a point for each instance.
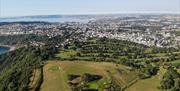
(33, 79)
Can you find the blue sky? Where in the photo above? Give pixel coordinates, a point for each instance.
(50, 7)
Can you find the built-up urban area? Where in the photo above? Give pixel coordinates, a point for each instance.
(150, 30)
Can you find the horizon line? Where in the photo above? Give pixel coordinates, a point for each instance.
(101, 13)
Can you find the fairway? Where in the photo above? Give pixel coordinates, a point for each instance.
(55, 74)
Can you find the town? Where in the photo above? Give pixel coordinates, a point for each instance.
(150, 30)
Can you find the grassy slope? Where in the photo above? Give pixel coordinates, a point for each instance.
(150, 84)
(54, 78)
(55, 73)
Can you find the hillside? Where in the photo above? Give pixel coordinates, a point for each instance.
(56, 74)
(97, 64)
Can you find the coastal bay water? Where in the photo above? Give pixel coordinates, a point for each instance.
(3, 50)
(46, 19)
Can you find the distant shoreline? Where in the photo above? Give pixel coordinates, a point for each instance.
(11, 48)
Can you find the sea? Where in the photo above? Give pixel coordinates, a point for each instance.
(49, 19)
(3, 50)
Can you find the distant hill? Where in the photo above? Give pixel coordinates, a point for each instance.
(70, 18)
(63, 18)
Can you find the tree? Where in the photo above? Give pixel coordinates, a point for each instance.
(169, 79)
(176, 85)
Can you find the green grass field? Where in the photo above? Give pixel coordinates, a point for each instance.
(66, 53)
(176, 62)
(55, 74)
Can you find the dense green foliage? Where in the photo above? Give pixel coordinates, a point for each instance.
(171, 80)
(148, 71)
(17, 66)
